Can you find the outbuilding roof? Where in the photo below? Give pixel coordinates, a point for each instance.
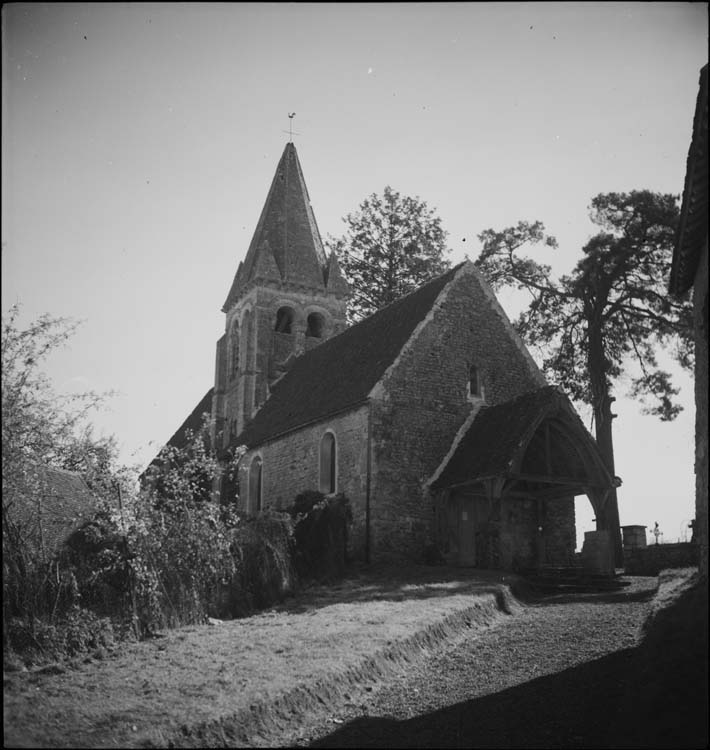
(56, 503)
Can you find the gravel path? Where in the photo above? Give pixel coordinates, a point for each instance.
(552, 676)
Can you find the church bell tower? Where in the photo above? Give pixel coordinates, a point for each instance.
(287, 297)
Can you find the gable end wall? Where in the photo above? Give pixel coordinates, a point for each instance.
(423, 400)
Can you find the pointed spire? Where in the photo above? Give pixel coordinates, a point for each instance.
(334, 280)
(286, 231)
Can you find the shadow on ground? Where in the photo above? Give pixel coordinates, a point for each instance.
(566, 710)
(670, 681)
(577, 708)
(652, 696)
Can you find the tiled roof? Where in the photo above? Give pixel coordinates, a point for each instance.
(286, 245)
(341, 371)
(59, 503)
(693, 225)
(500, 434)
(491, 442)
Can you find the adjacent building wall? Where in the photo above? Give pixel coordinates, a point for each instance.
(700, 313)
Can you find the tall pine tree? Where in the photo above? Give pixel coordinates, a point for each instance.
(603, 324)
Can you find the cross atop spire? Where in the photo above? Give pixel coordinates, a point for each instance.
(291, 115)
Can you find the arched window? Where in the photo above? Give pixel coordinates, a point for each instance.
(328, 463)
(474, 382)
(234, 343)
(284, 320)
(316, 326)
(255, 485)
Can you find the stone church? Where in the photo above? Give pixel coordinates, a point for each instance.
(430, 416)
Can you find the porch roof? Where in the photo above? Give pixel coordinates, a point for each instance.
(537, 439)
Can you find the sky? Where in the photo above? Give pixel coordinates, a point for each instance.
(139, 142)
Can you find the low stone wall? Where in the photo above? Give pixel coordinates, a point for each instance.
(649, 561)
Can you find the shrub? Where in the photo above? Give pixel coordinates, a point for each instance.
(264, 547)
(321, 535)
(76, 632)
(152, 565)
(189, 562)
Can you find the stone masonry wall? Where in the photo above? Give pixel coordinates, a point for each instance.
(559, 531)
(523, 545)
(290, 465)
(518, 533)
(424, 400)
(651, 560)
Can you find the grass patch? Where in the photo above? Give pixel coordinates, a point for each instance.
(250, 676)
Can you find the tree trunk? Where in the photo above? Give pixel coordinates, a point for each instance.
(601, 404)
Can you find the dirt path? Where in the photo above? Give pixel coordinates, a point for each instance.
(553, 677)
(285, 676)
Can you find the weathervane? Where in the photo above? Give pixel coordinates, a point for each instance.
(291, 115)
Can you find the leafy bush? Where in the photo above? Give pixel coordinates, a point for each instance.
(151, 567)
(169, 555)
(321, 535)
(264, 548)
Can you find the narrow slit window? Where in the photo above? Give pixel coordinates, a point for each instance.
(234, 369)
(255, 485)
(328, 464)
(474, 381)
